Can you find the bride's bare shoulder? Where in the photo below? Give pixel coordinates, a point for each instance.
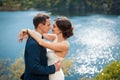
(66, 44)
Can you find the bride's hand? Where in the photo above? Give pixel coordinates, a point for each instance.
(23, 34)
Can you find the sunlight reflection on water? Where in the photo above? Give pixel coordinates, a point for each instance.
(98, 40)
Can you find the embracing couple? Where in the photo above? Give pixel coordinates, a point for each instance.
(44, 52)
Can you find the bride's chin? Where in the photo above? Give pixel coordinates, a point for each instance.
(53, 32)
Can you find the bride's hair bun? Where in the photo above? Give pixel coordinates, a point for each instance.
(64, 24)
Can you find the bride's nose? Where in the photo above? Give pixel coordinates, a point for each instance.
(50, 27)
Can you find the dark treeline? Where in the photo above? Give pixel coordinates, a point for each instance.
(104, 6)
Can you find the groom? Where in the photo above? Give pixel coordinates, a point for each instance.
(36, 67)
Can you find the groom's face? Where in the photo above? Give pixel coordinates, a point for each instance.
(46, 27)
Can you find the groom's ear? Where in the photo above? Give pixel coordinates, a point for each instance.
(40, 25)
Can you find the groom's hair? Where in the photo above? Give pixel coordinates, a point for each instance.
(40, 18)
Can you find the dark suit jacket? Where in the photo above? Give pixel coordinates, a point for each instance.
(36, 67)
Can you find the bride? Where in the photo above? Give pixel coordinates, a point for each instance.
(59, 45)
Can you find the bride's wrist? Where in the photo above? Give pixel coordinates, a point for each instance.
(28, 31)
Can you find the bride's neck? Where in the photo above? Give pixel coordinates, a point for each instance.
(60, 38)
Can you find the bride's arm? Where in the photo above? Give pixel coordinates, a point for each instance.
(50, 45)
(49, 36)
(23, 35)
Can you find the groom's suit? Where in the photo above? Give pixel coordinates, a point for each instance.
(36, 67)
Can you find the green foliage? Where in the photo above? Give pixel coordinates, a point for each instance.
(4, 69)
(14, 71)
(66, 64)
(11, 71)
(59, 5)
(110, 72)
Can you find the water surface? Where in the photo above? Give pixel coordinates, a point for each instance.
(96, 40)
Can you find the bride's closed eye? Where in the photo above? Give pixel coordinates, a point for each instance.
(54, 26)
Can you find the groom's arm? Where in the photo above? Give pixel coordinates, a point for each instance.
(34, 61)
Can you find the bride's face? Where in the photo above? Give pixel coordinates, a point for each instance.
(55, 29)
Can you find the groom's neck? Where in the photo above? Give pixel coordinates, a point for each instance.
(39, 31)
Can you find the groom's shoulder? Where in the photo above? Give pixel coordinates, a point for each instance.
(32, 41)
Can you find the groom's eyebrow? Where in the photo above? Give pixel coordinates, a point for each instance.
(48, 24)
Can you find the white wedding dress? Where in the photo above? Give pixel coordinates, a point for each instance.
(52, 58)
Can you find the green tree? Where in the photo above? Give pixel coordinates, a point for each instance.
(4, 69)
(16, 69)
(110, 72)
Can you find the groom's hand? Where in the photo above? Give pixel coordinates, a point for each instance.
(57, 65)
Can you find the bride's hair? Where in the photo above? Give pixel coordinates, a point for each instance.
(64, 24)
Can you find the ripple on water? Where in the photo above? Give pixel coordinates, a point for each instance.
(99, 43)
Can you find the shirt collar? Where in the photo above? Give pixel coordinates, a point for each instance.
(37, 33)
